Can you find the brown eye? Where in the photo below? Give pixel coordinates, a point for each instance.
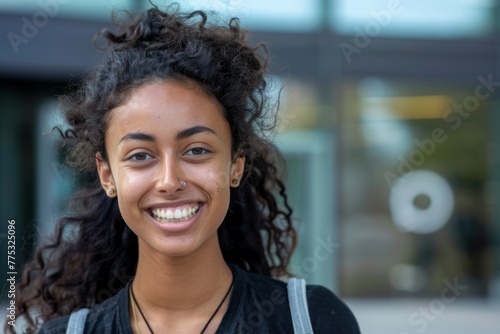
(140, 157)
(197, 151)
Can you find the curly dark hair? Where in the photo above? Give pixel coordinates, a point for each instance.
(93, 252)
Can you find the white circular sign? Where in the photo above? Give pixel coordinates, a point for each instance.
(411, 218)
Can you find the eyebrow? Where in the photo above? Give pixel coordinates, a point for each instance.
(183, 134)
(138, 136)
(193, 131)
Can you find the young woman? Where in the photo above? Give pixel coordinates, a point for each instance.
(187, 220)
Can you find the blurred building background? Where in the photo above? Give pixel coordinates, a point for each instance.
(389, 123)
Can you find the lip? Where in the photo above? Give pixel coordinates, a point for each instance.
(175, 227)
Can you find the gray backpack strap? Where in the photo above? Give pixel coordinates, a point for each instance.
(298, 306)
(76, 322)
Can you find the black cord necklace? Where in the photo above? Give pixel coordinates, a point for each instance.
(206, 325)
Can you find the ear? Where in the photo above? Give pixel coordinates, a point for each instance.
(105, 175)
(237, 169)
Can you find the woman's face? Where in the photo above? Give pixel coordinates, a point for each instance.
(165, 133)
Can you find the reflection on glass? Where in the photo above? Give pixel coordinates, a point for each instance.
(426, 18)
(391, 130)
(281, 15)
(42, 10)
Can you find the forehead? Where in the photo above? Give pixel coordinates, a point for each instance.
(167, 107)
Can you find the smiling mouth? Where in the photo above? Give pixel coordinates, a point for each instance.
(174, 215)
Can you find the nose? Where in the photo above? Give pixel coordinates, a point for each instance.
(169, 180)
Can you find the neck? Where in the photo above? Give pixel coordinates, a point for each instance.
(184, 283)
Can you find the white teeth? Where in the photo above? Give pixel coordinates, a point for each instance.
(176, 214)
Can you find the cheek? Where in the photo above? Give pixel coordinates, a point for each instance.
(221, 179)
(214, 177)
(218, 181)
(132, 186)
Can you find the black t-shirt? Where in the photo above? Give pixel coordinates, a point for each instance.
(258, 304)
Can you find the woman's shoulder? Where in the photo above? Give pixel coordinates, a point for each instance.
(108, 312)
(259, 287)
(328, 313)
(55, 326)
